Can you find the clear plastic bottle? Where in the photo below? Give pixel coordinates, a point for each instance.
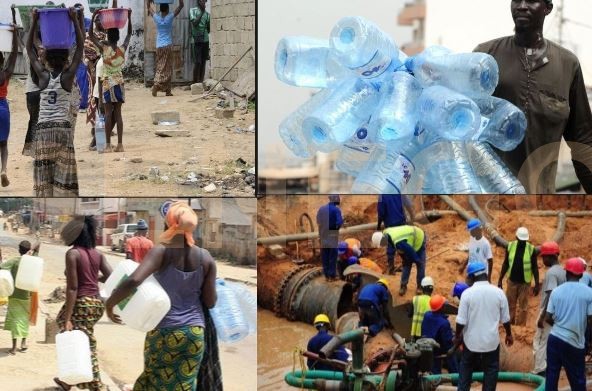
(355, 153)
(100, 137)
(336, 120)
(307, 62)
(290, 128)
(229, 320)
(503, 124)
(396, 116)
(453, 115)
(494, 176)
(363, 47)
(248, 304)
(473, 74)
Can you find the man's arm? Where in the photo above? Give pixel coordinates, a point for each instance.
(380, 213)
(505, 267)
(509, 338)
(535, 272)
(408, 205)
(549, 318)
(408, 251)
(179, 8)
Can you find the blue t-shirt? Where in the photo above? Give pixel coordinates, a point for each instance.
(435, 325)
(570, 304)
(375, 293)
(164, 30)
(390, 210)
(586, 279)
(329, 220)
(316, 343)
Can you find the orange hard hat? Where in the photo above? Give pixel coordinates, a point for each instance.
(437, 302)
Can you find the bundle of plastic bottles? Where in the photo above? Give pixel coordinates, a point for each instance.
(235, 312)
(421, 124)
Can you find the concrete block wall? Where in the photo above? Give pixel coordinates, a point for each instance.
(232, 32)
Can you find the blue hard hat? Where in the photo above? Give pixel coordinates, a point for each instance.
(342, 247)
(476, 267)
(473, 223)
(352, 261)
(458, 289)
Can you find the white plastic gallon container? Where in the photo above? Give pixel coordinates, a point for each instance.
(6, 283)
(145, 308)
(74, 363)
(5, 38)
(29, 273)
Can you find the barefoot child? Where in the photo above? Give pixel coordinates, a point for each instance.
(5, 73)
(55, 163)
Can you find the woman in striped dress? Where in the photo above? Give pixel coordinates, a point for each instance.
(55, 164)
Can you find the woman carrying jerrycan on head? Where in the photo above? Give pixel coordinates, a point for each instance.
(53, 145)
(113, 85)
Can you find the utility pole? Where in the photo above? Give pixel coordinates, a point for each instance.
(561, 22)
(118, 207)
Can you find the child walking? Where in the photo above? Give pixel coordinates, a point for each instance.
(55, 164)
(7, 68)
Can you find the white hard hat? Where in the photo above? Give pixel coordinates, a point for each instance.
(427, 281)
(522, 233)
(376, 239)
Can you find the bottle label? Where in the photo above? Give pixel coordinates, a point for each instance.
(375, 67)
(402, 168)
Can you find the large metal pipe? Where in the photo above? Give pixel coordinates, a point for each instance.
(551, 213)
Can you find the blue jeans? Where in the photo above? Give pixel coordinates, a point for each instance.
(488, 362)
(329, 258)
(421, 253)
(561, 354)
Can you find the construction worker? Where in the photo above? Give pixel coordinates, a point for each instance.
(138, 246)
(435, 325)
(419, 306)
(568, 312)
(587, 280)
(329, 221)
(410, 243)
(521, 264)
(391, 211)
(554, 276)
(354, 279)
(354, 245)
(458, 289)
(482, 307)
(316, 343)
(345, 250)
(479, 248)
(372, 306)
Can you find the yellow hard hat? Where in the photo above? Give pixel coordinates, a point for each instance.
(383, 281)
(321, 318)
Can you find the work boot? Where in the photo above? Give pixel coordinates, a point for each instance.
(402, 290)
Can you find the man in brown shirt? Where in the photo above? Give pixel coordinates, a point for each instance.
(545, 81)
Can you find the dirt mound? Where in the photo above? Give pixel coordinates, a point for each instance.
(57, 295)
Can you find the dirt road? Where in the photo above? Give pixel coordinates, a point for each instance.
(209, 154)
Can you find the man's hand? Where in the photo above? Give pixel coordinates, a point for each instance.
(499, 284)
(509, 340)
(540, 322)
(536, 289)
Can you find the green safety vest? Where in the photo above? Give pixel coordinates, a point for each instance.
(421, 305)
(412, 234)
(528, 251)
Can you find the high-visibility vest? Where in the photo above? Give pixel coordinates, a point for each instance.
(528, 251)
(421, 305)
(412, 234)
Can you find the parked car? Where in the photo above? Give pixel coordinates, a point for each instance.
(120, 235)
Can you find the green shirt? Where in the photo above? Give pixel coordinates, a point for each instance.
(13, 264)
(202, 27)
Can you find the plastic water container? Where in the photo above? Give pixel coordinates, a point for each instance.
(113, 18)
(355, 153)
(100, 136)
(6, 283)
(363, 47)
(146, 306)
(229, 320)
(494, 176)
(57, 30)
(29, 274)
(290, 128)
(503, 125)
(5, 38)
(337, 119)
(396, 116)
(74, 360)
(247, 302)
(307, 62)
(453, 115)
(473, 74)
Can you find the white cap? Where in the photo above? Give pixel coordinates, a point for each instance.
(427, 281)
(377, 238)
(522, 233)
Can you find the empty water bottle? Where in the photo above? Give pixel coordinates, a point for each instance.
(291, 127)
(363, 47)
(473, 74)
(396, 116)
(355, 153)
(229, 320)
(336, 120)
(494, 176)
(248, 304)
(100, 137)
(307, 62)
(503, 124)
(453, 115)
